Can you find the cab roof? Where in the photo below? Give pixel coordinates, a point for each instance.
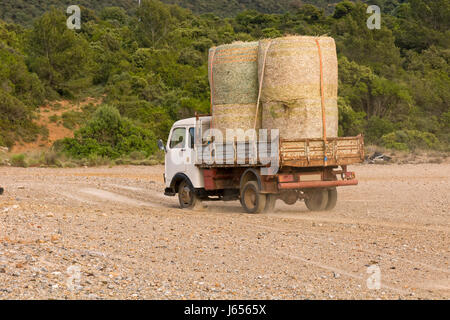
(190, 121)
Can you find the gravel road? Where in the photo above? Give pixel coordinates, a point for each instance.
(110, 233)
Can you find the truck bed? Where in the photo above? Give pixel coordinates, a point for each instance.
(291, 153)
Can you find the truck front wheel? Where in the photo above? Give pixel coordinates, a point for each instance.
(251, 198)
(317, 199)
(186, 195)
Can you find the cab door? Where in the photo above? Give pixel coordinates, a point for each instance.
(176, 153)
(194, 173)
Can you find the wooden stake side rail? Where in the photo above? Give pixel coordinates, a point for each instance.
(317, 153)
(291, 153)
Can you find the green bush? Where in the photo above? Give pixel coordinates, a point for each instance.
(108, 135)
(351, 123)
(18, 160)
(71, 119)
(53, 118)
(15, 120)
(50, 158)
(137, 155)
(409, 140)
(377, 128)
(96, 160)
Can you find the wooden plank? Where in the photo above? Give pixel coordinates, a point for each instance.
(293, 153)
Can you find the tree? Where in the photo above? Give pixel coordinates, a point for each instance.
(434, 13)
(56, 53)
(342, 9)
(154, 22)
(114, 14)
(374, 48)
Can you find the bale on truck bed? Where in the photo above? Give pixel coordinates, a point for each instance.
(233, 77)
(291, 86)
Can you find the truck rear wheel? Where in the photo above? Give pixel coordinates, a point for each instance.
(332, 199)
(186, 196)
(251, 198)
(271, 199)
(317, 199)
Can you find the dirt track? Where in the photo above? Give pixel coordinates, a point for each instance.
(129, 241)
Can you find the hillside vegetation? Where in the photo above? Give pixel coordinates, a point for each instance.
(150, 65)
(24, 11)
(229, 8)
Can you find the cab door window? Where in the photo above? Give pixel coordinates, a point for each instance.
(178, 138)
(191, 138)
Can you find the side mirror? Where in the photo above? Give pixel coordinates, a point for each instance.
(161, 145)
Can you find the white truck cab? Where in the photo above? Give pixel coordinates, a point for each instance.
(180, 154)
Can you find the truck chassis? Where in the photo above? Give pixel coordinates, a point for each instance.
(259, 193)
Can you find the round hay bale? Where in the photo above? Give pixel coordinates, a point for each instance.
(292, 81)
(300, 119)
(233, 73)
(233, 76)
(239, 117)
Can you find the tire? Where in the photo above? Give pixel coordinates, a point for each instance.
(251, 199)
(317, 200)
(186, 196)
(332, 199)
(289, 197)
(271, 200)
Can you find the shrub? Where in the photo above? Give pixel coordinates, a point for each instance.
(53, 118)
(351, 123)
(410, 140)
(137, 155)
(96, 160)
(15, 120)
(190, 57)
(71, 119)
(109, 135)
(51, 158)
(56, 106)
(18, 160)
(377, 128)
(69, 164)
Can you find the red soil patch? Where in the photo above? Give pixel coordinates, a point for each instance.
(56, 131)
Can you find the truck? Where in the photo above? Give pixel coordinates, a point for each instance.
(198, 168)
